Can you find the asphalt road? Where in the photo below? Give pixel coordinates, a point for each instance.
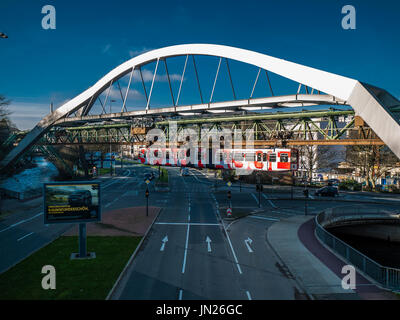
(190, 253)
(23, 233)
(201, 260)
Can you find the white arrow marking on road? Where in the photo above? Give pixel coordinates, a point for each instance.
(208, 240)
(163, 243)
(247, 242)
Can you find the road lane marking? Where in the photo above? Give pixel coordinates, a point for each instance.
(248, 242)
(264, 218)
(255, 198)
(27, 235)
(187, 235)
(180, 294)
(230, 244)
(22, 221)
(248, 295)
(270, 202)
(186, 247)
(208, 240)
(164, 241)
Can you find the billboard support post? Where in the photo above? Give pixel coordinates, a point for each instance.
(82, 240)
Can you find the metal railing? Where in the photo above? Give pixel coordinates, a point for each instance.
(385, 276)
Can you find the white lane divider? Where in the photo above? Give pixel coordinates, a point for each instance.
(248, 295)
(186, 248)
(254, 196)
(21, 222)
(230, 243)
(187, 236)
(270, 202)
(25, 236)
(180, 294)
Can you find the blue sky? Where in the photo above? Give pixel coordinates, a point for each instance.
(92, 37)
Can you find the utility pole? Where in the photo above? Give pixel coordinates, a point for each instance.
(259, 195)
(147, 201)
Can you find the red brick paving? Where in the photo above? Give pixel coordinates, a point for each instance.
(120, 222)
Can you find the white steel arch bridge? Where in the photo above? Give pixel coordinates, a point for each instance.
(379, 109)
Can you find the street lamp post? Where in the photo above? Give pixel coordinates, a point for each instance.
(147, 201)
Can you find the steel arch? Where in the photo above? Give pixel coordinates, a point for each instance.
(341, 87)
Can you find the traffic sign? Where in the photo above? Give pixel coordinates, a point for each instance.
(229, 212)
(147, 181)
(229, 183)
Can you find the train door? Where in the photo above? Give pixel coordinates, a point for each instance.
(272, 161)
(238, 158)
(258, 161)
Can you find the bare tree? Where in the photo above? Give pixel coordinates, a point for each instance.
(372, 162)
(312, 158)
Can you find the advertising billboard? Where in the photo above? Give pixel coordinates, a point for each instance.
(71, 202)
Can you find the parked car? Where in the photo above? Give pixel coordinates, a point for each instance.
(80, 198)
(327, 191)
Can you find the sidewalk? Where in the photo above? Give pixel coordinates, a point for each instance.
(316, 268)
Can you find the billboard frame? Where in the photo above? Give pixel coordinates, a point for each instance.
(71, 220)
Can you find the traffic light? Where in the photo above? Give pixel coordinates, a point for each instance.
(147, 193)
(229, 194)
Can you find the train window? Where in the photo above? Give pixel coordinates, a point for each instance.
(259, 156)
(272, 157)
(221, 156)
(250, 157)
(264, 157)
(284, 157)
(238, 156)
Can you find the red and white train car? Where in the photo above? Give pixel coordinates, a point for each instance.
(276, 159)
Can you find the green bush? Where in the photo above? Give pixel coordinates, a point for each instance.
(350, 185)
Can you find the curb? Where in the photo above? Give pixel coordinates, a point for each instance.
(112, 295)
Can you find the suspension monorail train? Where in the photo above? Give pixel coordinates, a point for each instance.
(275, 159)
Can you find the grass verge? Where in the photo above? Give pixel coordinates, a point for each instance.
(75, 279)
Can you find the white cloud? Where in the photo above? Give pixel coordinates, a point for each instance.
(106, 48)
(26, 115)
(138, 51)
(148, 76)
(116, 94)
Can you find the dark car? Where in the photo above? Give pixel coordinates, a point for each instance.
(327, 191)
(80, 198)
